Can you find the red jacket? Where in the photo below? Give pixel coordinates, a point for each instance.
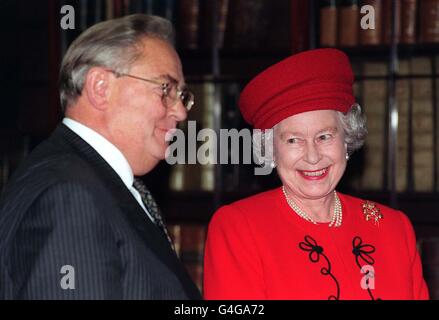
(258, 248)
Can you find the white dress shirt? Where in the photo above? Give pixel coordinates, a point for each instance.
(111, 155)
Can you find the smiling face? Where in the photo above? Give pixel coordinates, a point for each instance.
(138, 120)
(310, 153)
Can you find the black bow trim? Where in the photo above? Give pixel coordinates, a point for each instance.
(315, 252)
(363, 252)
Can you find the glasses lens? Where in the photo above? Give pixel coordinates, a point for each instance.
(173, 93)
(169, 94)
(187, 98)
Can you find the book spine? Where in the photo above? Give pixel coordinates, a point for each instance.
(118, 8)
(126, 7)
(349, 20)
(328, 24)
(436, 113)
(299, 26)
(109, 9)
(188, 23)
(429, 22)
(374, 103)
(98, 11)
(408, 21)
(388, 13)
(177, 177)
(208, 168)
(193, 238)
(213, 30)
(422, 127)
(223, 9)
(372, 36)
(402, 164)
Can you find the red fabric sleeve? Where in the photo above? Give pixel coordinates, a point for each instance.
(232, 266)
(420, 290)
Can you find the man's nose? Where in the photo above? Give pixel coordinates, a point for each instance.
(178, 111)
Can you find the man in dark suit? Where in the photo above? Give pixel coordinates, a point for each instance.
(75, 223)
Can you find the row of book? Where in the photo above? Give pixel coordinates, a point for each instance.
(189, 242)
(416, 22)
(417, 156)
(91, 12)
(256, 24)
(200, 24)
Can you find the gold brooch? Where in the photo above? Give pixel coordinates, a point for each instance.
(371, 211)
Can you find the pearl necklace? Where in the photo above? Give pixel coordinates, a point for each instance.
(337, 216)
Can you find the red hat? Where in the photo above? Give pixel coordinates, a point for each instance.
(312, 80)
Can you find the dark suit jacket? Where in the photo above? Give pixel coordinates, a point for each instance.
(66, 206)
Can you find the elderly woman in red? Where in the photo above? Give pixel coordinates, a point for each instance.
(305, 240)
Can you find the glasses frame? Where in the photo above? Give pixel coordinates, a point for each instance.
(165, 86)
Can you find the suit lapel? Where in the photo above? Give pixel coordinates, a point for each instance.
(145, 228)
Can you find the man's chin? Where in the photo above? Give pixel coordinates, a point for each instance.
(160, 152)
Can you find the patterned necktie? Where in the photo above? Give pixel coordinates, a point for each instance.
(152, 207)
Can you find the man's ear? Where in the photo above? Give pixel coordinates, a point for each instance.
(97, 86)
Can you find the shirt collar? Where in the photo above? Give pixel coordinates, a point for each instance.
(112, 155)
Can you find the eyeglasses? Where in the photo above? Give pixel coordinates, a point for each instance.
(171, 93)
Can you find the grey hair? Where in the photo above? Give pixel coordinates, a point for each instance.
(355, 128)
(353, 123)
(114, 44)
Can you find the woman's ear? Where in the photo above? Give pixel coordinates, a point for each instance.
(96, 87)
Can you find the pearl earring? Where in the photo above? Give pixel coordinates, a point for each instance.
(273, 164)
(347, 156)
